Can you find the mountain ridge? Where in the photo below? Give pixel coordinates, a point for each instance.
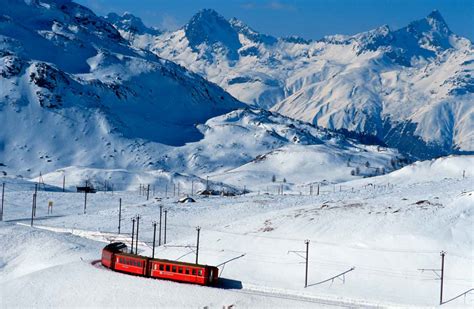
(391, 84)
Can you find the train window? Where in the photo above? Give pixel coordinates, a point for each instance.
(187, 271)
(180, 270)
(155, 267)
(167, 268)
(194, 272)
(162, 267)
(173, 269)
(200, 272)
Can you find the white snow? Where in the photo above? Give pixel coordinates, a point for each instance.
(416, 80)
(386, 230)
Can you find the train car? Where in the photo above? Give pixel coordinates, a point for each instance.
(109, 251)
(131, 263)
(115, 257)
(183, 272)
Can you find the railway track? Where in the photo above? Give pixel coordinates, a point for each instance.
(281, 294)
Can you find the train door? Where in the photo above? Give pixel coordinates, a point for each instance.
(112, 260)
(211, 276)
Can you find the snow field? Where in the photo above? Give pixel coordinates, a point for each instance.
(386, 232)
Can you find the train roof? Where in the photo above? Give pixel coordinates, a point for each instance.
(117, 247)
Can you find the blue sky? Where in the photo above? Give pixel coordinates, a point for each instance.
(311, 19)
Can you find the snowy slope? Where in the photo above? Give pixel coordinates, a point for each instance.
(74, 92)
(411, 88)
(385, 232)
(243, 148)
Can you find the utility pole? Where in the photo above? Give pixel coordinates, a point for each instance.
(192, 187)
(159, 233)
(33, 208)
(197, 244)
(166, 190)
(148, 192)
(34, 200)
(154, 237)
(318, 190)
(442, 278)
(133, 234)
(3, 198)
(85, 200)
(136, 240)
(120, 214)
(34, 205)
(64, 182)
(306, 272)
(166, 215)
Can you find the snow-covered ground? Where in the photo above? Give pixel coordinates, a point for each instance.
(385, 227)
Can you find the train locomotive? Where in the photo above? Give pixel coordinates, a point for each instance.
(116, 257)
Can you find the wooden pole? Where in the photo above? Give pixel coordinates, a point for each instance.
(442, 278)
(120, 214)
(159, 233)
(306, 272)
(3, 198)
(136, 241)
(133, 234)
(33, 208)
(154, 237)
(197, 244)
(85, 200)
(166, 215)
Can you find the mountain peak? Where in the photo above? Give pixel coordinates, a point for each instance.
(430, 33)
(208, 26)
(435, 14)
(437, 22)
(206, 17)
(250, 33)
(130, 23)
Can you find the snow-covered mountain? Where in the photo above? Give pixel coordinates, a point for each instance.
(63, 69)
(411, 88)
(76, 97)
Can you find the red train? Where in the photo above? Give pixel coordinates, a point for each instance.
(115, 257)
